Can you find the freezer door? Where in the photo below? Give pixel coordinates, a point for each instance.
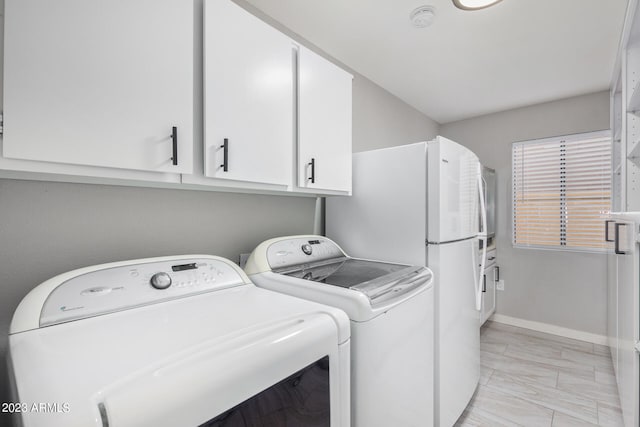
(453, 174)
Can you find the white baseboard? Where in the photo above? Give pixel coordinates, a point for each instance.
(550, 329)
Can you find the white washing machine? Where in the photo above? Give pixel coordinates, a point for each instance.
(175, 341)
(391, 312)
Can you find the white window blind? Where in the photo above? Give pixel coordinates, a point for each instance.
(561, 188)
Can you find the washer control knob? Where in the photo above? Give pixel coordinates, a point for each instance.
(307, 249)
(160, 280)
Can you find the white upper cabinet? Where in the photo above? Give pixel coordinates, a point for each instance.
(324, 124)
(100, 83)
(105, 89)
(248, 97)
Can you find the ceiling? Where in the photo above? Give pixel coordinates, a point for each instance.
(516, 53)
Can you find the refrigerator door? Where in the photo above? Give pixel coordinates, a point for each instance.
(457, 361)
(627, 254)
(453, 173)
(612, 294)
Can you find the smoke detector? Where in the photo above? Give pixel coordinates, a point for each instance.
(422, 16)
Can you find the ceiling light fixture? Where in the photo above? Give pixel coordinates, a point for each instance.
(474, 4)
(422, 16)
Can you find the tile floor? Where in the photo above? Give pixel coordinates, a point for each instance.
(529, 378)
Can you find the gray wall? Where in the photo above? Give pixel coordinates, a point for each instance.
(48, 228)
(566, 289)
(381, 120)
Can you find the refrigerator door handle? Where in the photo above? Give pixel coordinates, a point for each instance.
(606, 230)
(483, 196)
(616, 245)
(477, 278)
(483, 207)
(482, 236)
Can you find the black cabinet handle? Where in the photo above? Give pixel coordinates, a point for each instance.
(606, 230)
(496, 277)
(617, 239)
(225, 155)
(484, 283)
(312, 163)
(174, 140)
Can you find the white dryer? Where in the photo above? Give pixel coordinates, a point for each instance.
(391, 312)
(175, 341)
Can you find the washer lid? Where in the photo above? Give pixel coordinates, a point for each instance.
(345, 272)
(379, 281)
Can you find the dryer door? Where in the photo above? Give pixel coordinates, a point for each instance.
(301, 398)
(278, 375)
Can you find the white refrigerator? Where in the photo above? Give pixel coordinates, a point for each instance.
(420, 204)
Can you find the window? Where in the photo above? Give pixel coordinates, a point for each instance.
(561, 188)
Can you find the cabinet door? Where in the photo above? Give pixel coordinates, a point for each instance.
(248, 97)
(485, 299)
(628, 369)
(491, 276)
(99, 83)
(612, 307)
(324, 124)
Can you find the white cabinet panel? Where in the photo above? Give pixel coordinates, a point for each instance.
(98, 83)
(490, 279)
(324, 124)
(491, 276)
(248, 97)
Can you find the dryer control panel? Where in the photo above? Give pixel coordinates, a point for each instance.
(296, 251)
(117, 288)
